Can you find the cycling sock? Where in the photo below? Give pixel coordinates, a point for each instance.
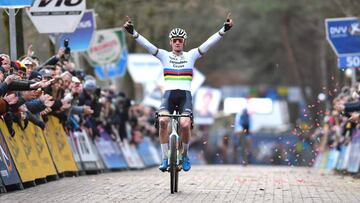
(185, 149)
(164, 150)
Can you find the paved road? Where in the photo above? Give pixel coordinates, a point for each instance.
(225, 183)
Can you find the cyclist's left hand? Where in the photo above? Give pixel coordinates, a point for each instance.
(229, 23)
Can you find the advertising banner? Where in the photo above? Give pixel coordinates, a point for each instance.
(206, 105)
(343, 157)
(56, 16)
(80, 39)
(36, 136)
(144, 68)
(87, 155)
(108, 53)
(131, 156)
(15, 3)
(354, 159)
(74, 149)
(146, 155)
(18, 154)
(30, 152)
(59, 147)
(332, 159)
(110, 152)
(8, 171)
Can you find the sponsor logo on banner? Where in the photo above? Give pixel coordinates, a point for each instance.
(108, 53)
(15, 3)
(56, 16)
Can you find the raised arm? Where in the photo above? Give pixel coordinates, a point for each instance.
(129, 27)
(204, 47)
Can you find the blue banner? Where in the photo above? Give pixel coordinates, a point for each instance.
(354, 159)
(144, 152)
(16, 3)
(344, 35)
(8, 171)
(81, 38)
(110, 152)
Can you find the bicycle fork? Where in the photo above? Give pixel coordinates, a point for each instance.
(175, 136)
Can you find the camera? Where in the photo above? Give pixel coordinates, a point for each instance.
(67, 53)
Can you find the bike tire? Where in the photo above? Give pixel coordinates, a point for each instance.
(176, 180)
(173, 167)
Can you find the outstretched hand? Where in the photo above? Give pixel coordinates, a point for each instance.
(229, 23)
(129, 27)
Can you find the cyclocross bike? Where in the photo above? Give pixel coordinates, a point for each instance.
(174, 148)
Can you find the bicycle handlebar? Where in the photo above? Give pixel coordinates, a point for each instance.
(173, 116)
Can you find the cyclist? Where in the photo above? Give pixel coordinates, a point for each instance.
(178, 72)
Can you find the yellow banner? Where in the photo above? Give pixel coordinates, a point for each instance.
(59, 147)
(30, 152)
(18, 153)
(38, 143)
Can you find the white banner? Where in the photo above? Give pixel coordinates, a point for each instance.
(56, 16)
(144, 68)
(206, 106)
(86, 152)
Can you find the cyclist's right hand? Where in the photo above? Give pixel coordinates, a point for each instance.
(129, 27)
(229, 23)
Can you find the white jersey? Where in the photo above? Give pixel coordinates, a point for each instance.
(178, 70)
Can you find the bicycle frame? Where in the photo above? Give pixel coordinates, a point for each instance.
(174, 146)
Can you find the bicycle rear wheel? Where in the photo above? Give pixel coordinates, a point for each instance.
(173, 167)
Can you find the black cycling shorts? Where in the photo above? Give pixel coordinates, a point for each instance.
(181, 99)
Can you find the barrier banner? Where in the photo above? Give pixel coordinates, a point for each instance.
(74, 149)
(110, 152)
(37, 140)
(8, 172)
(87, 155)
(343, 157)
(131, 156)
(135, 154)
(18, 154)
(143, 149)
(354, 159)
(155, 153)
(33, 159)
(59, 147)
(100, 163)
(332, 159)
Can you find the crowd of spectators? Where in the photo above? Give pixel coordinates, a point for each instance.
(340, 124)
(32, 90)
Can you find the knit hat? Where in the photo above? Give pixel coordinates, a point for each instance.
(90, 85)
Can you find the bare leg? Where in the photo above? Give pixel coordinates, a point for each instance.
(163, 135)
(185, 124)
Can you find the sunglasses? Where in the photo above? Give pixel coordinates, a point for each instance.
(180, 40)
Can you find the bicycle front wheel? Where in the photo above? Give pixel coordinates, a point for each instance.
(173, 165)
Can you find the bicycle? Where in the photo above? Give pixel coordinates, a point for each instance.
(174, 147)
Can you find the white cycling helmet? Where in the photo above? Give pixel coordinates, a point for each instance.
(177, 33)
